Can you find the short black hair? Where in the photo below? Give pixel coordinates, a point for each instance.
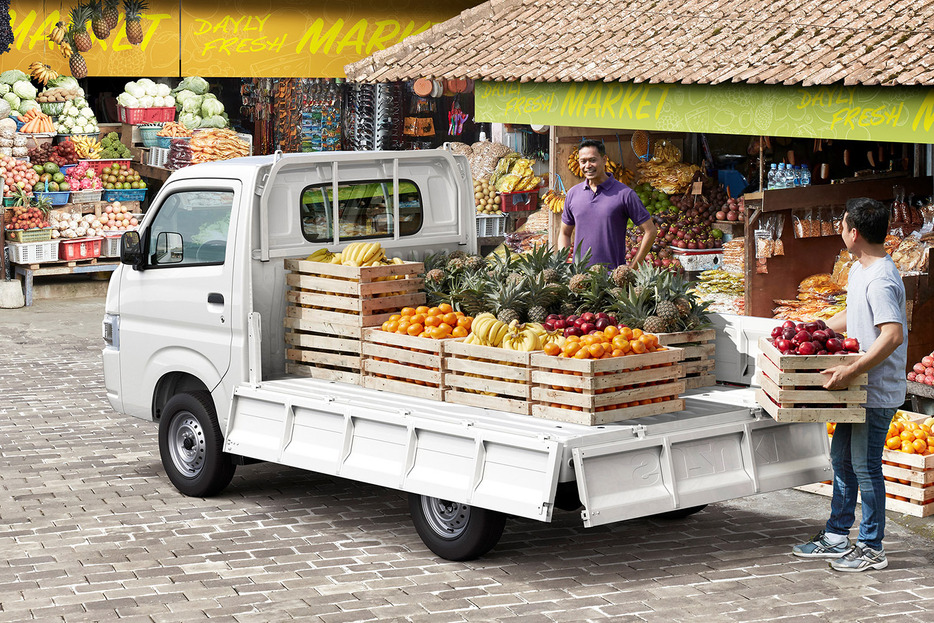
(869, 217)
(592, 142)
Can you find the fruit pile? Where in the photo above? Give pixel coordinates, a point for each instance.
(120, 176)
(437, 323)
(27, 218)
(613, 341)
(51, 179)
(357, 254)
(117, 217)
(16, 173)
(811, 338)
(485, 198)
(910, 437)
(61, 154)
(733, 210)
(83, 177)
(67, 225)
(923, 371)
(579, 325)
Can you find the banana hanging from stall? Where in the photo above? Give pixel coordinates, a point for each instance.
(41, 72)
(554, 200)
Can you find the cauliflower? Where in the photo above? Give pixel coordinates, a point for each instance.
(87, 113)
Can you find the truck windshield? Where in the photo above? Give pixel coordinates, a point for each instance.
(365, 210)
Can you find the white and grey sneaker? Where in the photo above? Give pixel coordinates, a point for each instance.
(820, 547)
(861, 558)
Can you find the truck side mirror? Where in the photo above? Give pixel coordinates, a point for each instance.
(169, 249)
(131, 251)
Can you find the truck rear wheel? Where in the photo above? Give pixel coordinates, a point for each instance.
(190, 443)
(455, 531)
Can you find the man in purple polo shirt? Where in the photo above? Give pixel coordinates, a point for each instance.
(597, 211)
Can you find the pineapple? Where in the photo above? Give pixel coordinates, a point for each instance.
(579, 283)
(455, 264)
(474, 263)
(596, 297)
(508, 300)
(458, 254)
(684, 306)
(98, 23)
(76, 63)
(622, 276)
(542, 296)
(111, 14)
(654, 324)
(435, 276)
(634, 309)
(79, 30)
(133, 10)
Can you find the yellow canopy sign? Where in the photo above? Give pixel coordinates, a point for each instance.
(895, 114)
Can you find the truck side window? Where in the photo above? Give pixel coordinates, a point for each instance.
(200, 219)
(365, 210)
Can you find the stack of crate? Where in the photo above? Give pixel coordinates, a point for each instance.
(330, 306)
(699, 355)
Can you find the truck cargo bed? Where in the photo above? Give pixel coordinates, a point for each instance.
(721, 446)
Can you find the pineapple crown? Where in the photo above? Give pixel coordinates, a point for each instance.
(134, 9)
(95, 7)
(80, 15)
(509, 295)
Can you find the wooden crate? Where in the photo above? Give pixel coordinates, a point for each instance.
(403, 364)
(700, 349)
(791, 387)
(593, 392)
(489, 377)
(329, 307)
(918, 506)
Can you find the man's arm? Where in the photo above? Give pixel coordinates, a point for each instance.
(838, 322)
(649, 232)
(890, 338)
(566, 236)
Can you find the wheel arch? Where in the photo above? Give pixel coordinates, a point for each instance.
(171, 384)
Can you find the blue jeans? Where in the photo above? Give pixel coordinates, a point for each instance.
(856, 456)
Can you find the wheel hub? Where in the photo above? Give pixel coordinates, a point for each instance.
(447, 519)
(187, 445)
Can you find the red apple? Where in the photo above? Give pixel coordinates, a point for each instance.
(811, 327)
(548, 325)
(612, 319)
(911, 376)
(552, 317)
(806, 348)
(587, 327)
(820, 335)
(570, 319)
(821, 324)
(851, 344)
(601, 323)
(822, 352)
(561, 323)
(602, 315)
(788, 333)
(918, 368)
(569, 331)
(833, 345)
(801, 337)
(928, 361)
(588, 317)
(776, 332)
(788, 324)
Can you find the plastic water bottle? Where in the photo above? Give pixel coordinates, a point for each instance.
(797, 175)
(773, 175)
(780, 179)
(805, 175)
(792, 174)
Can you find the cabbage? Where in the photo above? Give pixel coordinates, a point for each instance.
(25, 90)
(66, 82)
(145, 101)
(4, 89)
(127, 101)
(158, 102)
(199, 86)
(134, 89)
(169, 101)
(145, 84)
(183, 96)
(192, 104)
(163, 90)
(13, 100)
(12, 76)
(211, 107)
(190, 120)
(27, 105)
(214, 122)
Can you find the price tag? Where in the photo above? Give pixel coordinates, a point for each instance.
(697, 188)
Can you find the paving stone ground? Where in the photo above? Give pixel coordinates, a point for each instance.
(91, 530)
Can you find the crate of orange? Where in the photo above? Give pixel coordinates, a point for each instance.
(488, 376)
(329, 307)
(608, 376)
(406, 353)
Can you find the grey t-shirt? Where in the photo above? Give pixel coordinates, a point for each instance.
(876, 295)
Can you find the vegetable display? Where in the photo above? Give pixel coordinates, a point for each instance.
(77, 118)
(144, 93)
(196, 107)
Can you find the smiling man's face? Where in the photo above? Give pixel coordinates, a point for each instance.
(592, 164)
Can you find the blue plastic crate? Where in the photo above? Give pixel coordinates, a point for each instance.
(59, 198)
(124, 194)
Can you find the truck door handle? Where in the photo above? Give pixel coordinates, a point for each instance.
(216, 297)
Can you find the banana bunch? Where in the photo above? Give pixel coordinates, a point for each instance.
(40, 72)
(87, 148)
(521, 337)
(545, 336)
(554, 200)
(362, 254)
(57, 34)
(486, 330)
(615, 169)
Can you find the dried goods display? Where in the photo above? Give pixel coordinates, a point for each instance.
(722, 290)
(819, 297)
(485, 198)
(219, 144)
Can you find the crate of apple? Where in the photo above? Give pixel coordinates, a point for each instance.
(579, 325)
(120, 176)
(811, 338)
(923, 371)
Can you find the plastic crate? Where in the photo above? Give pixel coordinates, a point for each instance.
(111, 245)
(165, 142)
(125, 194)
(79, 249)
(694, 260)
(491, 225)
(140, 116)
(148, 134)
(158, 156)
(516, 202)
(34, 139)
(99, 165)
(33, 252)
(29, 235)
(85, 196)
(59, 198)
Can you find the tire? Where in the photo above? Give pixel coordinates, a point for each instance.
(681, 513)
(455, 531)
(567, 497)
(190, 444)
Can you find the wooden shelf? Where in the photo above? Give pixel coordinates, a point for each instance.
(835, 195)
(154, 173)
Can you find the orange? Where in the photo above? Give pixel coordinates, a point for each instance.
(395, 317)
(445, 308)
(907, 435)
(432, 321)
(596, 350)
(408, 311)
(421, 309)
(919, 434)
(587, 340)
(893, 443)
(423, 334)
(551, 348)
(650, 340)
(638, 347)
(583, 353)
(446, 328)
(415, 328)
(462, 332)
(449, 318)
(391, 326)
(419, 317)
(403, 326)
(463, 321)
(637, 333)
(617, 352)
(437, 333)
(572, 338)
(926, 429)
(908, 448)
(571, 347)
(919, 445)
(626, 332)
(611, 331)
(434, 311)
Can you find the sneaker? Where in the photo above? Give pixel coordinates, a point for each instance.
(861, 558)
(820, 547)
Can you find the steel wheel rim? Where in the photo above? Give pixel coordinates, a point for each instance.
(446, 519)
(187, 445)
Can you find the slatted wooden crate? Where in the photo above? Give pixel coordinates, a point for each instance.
(791, 387)
(403, 364)
(489, 377)
(330, 305)
(700, 350)
(592, 392)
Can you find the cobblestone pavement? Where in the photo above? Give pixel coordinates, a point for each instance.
(91, 530)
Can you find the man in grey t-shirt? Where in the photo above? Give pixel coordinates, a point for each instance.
(874, 315)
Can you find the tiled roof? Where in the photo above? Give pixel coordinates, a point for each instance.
(794, 42)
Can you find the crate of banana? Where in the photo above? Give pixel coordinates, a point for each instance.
(491, 368)
(404, 364)
(599, 391)
(87, 148)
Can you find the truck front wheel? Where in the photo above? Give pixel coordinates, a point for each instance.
(455, 531)
(191, 446)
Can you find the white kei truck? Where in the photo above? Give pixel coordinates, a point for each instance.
(195, 340)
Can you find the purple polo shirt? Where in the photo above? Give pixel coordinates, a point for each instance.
(600, 219)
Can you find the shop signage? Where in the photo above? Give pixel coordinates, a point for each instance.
(896, 114)
(255, 38)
